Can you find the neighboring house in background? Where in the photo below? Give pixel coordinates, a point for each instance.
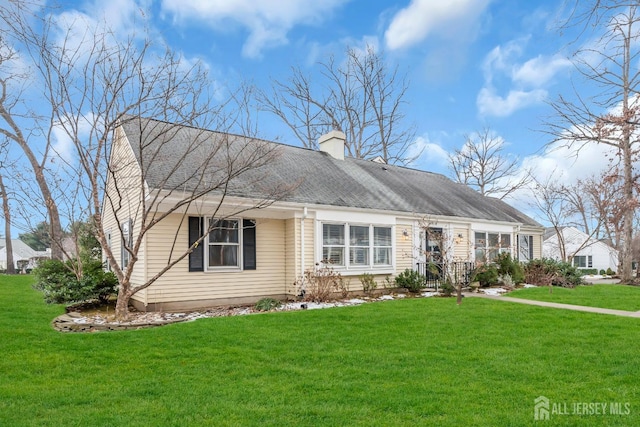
(69, 250)
(579, 249)
(364, 216)
(23, 255)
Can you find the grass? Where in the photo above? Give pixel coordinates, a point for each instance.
(618, 297)
(405, 362)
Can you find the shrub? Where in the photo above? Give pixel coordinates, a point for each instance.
(568, 276)
(61, 286)
(508, 266)
(539, 272)
(318, 285)
(587, 271)
(343, 287)
(388, 283)
(447, 289)
(602, 272)
(506, 281)
(546, 271)
(411, 279)
(610, 272)
(267, 304)
(486, 274)
(368, 283)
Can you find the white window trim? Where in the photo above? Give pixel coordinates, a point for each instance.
(106, 259)
(588, 261)
(486, 246)
(125, 256)
(238, 267)
(530, 248)
(349, 269)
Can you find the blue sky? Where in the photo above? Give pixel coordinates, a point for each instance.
(471, 64)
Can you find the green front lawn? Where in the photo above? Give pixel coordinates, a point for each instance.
(618, 297)
(407, 362)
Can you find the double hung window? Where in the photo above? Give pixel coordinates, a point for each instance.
(525, 247)
(222, 244)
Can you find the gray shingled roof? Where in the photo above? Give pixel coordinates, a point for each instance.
(320, 179)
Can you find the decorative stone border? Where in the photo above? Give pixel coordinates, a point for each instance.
(76, 322)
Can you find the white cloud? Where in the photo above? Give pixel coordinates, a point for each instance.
(568, 165)
(539, 70)
(528, 80)
(500, 59)
(491, 104)
(432, 156)
(423, 18)
(267, 21)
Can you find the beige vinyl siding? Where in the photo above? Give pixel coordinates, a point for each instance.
(292, 253)
(355, 285)
(124, 195)
(537, 246)
(404, 247)
(537, 240)
(178, 284)
(309, 244)
(461, 248)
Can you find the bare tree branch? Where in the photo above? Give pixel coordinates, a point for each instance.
(361, 97)
(482, 165)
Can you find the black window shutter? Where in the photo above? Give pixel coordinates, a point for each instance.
(249, 244)
(196, 257)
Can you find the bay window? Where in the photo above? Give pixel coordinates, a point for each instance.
(487, 245)
(368, 246)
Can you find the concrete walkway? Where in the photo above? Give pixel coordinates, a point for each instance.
(599, 310)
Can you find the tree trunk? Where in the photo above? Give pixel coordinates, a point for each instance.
(55, 230)
(459, 294)
(122, 303)
(11, 268)
(629, 211)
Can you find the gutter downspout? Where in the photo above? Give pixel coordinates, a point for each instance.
(304, 216)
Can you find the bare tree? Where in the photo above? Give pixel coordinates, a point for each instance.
(11, 268)
(361, 97)
(482, 164)
(92, 85)
(559, 206)
(611, 116)
(20, 123)
(606, 204)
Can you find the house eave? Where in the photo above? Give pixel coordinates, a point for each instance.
(287, 209)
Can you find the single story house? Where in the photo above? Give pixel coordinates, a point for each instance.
(23, 254)
(363, 216)
(579, 248)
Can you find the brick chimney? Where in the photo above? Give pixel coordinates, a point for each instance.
(332, 143)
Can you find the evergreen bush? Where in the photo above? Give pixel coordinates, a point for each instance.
(411, 279)
(60, 285)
